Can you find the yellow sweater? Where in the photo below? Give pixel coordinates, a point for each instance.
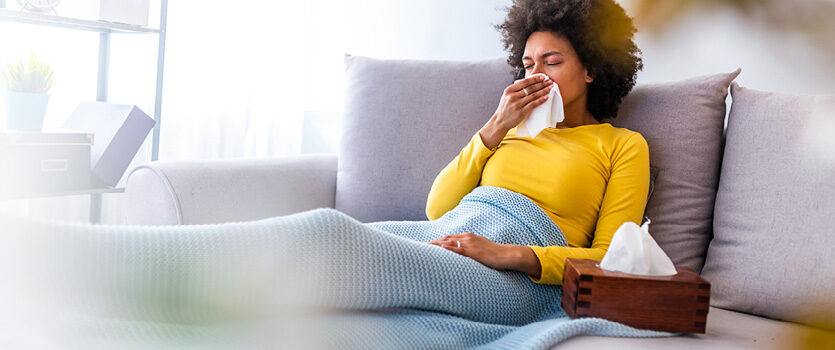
(589, 179)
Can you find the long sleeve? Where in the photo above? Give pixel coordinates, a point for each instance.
(458, 178)
(624, 200)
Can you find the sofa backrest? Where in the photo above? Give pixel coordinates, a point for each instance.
(406, 119)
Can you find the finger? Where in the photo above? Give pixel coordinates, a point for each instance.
(536, 77)
(536, 83)
(457, 235)
(527, 82)
(539, 96)
(453, 247)
(441, 239)
(529, 107)
(542, 88)
(533, 104)
(545, 85)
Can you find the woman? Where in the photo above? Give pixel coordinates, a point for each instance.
(589, 177)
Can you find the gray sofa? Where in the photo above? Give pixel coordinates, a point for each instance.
(745, 198)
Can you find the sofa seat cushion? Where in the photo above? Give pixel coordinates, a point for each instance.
(725, 330)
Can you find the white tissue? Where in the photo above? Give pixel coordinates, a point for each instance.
(634, 251)
(546, 115)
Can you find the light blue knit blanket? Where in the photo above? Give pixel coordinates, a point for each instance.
(372, 285)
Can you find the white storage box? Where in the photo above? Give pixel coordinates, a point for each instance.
(44, 162)
(119, 130)
(124, 11)
(133, 12)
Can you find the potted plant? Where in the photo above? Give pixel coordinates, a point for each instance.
(27, 86)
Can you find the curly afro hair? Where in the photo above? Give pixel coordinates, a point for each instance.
(600, 32)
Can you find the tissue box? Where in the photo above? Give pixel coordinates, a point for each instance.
(677, 303)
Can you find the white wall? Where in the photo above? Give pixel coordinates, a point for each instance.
(702, 43)
(431, 29)
(425, 29)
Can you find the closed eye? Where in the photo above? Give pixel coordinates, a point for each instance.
(550, 64)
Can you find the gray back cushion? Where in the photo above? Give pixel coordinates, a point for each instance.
(683, 123)
(773, 251)
(404, 121)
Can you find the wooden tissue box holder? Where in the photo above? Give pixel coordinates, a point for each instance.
(677, 303)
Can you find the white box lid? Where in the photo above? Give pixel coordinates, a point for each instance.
(46, 137)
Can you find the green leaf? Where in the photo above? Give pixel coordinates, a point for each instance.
(32, 77)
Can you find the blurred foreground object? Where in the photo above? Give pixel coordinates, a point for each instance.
(810, 18)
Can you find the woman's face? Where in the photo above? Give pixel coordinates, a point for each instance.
(553, 55)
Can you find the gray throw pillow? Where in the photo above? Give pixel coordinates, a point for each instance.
(404, 121)
(773, 250)
(683, 123)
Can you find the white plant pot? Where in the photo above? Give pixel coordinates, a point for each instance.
(25, 111)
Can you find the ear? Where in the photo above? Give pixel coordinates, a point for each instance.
(589, 78)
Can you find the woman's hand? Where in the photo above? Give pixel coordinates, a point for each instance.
(515, 106)
(480, 248)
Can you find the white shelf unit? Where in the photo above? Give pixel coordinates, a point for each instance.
(105, 29)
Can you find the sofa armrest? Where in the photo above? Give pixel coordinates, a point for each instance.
(216, 191)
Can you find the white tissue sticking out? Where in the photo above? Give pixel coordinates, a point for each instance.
(546, 115)
(634, 251)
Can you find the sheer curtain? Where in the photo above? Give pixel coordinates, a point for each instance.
(240, 75)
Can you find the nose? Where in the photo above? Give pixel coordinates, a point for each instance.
(537, 68)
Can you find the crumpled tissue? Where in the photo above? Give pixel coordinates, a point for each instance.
(634, 251)
(546, 115)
